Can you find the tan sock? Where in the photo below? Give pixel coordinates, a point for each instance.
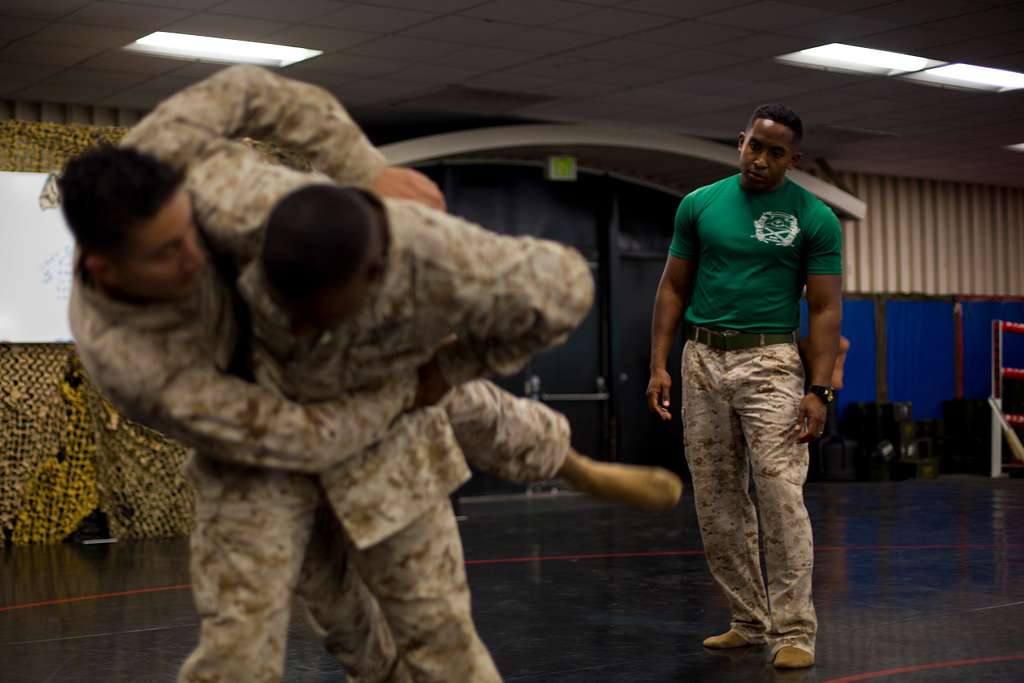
(650, 488)
(793, 658)
(726, 641)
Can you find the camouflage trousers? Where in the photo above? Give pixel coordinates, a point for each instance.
(512, 438)
(739, 409)
(262, 536)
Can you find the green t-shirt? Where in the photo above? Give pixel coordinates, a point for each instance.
(754, 252)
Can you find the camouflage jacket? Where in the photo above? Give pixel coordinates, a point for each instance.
(163, 364)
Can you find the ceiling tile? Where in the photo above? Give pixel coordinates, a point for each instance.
(433, 74)
(910, 40)
(134, 62)
(544, 40)
(681, 9)
(1013, 61)
(465, 30)
(512, 83)
(11, 87)
(226, 26)
(632, 76)
(842, 27)
(45, 53)
(403, 47)
(126, 16)
(838, 5)
(768, 15)
(193, 5)
(379, 90)
(435, 6)
(908, 12)
(377, 19)
(70, 93)
(168, 85)
(621, 50)
(692, 34)
(705, 84)
(561, 67)
(486, 57)
(33, 9)
(63, 33)
(601, 3)
(98, 78)
(765, 45)
(578, 89)
(28, 73)
(197, 70)
(290, 11)
(613, 22)
(588, 109)
(690, 61)
(132, 99)
(983, 51)
(318, 38)
(341, 63)
(533, 12)
(12, 27)
(981, 23)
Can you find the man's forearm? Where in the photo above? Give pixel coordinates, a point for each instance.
(669, 307)
(248, 101)
(823, 343)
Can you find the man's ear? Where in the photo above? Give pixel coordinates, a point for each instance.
(740, 141)
(794, 159)
(100, 269)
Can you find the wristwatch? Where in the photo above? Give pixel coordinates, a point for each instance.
(826, 394)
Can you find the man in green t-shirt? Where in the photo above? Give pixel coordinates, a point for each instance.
(744, 249)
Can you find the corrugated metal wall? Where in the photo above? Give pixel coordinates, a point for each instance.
(67, 113)
(934, 237)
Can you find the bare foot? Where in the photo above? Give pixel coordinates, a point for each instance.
(649, 488)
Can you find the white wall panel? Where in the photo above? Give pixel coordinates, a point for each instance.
(935, 237)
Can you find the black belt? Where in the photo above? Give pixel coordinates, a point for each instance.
(729, 340)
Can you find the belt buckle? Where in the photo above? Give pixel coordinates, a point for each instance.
(727, 339)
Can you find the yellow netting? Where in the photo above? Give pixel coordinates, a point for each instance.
(142, 489)
(63, 490)
(44, 147)
(33, 418)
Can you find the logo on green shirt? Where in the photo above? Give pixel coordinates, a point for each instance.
(776, 227)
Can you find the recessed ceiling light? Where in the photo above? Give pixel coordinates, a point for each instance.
(841, 57)
(1019, 147)
(207, 49)
(971, 77)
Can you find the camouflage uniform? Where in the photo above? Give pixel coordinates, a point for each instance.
(162, 364)
(738, 403)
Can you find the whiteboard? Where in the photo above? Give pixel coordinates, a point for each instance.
(36, 250)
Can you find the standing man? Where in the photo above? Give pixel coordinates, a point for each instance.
(743, 251)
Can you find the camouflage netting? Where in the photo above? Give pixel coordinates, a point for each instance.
(33, 420)
(44, 147)
(64, 451)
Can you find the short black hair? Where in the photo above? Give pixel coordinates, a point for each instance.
(316, 238)
(106, 191)
(779, 114)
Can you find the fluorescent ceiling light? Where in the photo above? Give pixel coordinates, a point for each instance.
(1019, 147)
(840, 57)
(971, 77)
(206, 49)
